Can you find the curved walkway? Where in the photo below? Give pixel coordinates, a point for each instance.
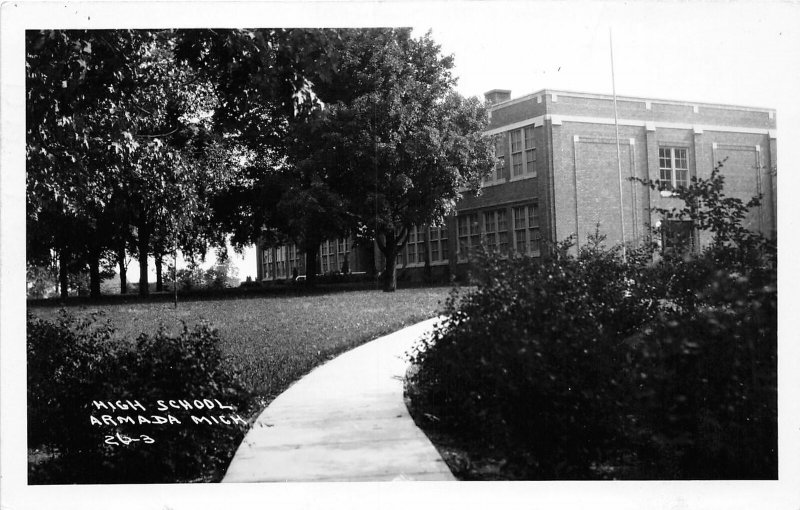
(344, 421)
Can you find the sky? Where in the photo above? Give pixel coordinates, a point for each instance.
(729, 52)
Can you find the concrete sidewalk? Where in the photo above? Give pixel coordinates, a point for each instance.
(345, 421)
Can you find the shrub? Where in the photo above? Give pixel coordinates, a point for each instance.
(531, 359)
(67, 359)
(222, 275)
(591, 366)
(706, 383)
(188, 278)
(72, 363)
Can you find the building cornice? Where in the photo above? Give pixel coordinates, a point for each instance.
(647, 102)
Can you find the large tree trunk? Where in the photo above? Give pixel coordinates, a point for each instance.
(143, 244)
(159, 280)
(63, 273)
(390, 247)
(123, 276)
(390, 274)
(389, 250)
(94, 273)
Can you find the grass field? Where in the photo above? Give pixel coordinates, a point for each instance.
(273, 341)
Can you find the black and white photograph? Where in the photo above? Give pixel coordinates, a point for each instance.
(289, 254)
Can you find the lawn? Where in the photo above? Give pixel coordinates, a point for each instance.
(273, 341)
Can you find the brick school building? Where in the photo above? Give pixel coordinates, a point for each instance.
(559, 175)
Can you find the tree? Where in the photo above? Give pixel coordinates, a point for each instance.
(400, 151)
(117, 147)
(272, 85)
(706, 207)
(311, 208)
(262, 81)
(68, 73)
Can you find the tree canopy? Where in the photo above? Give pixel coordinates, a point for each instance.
(152, 140)
(400, 145)
(119, 147)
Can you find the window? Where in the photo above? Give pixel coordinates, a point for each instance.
(324, 257)
(343, 252)
(499, 170)
(496, 230)
(468, 234)
(474, 232)
(328, 256)
(530, 152)
(520, 230)
(438, 237)
(673, 165)
(443, 242)
(280, 259)
(490, 228)
(527, 238)
(279, 262)
(516, 153)
(274, 263)
(533, 229)
(502, 231)
(294, 258)
(266, 263)
(516, 141)
(414, 247)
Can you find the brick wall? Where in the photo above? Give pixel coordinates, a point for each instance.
(492, 196)
(581, 187)
(588, 185)
(505, 114)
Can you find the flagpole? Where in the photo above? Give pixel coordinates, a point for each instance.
(619, 158)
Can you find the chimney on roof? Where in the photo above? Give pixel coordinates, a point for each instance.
(497, 96)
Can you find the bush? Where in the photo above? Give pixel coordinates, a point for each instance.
(530, 360)
(592, 367)
(190, 278)
(706, 390)
(221, 275)
(72, 363)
